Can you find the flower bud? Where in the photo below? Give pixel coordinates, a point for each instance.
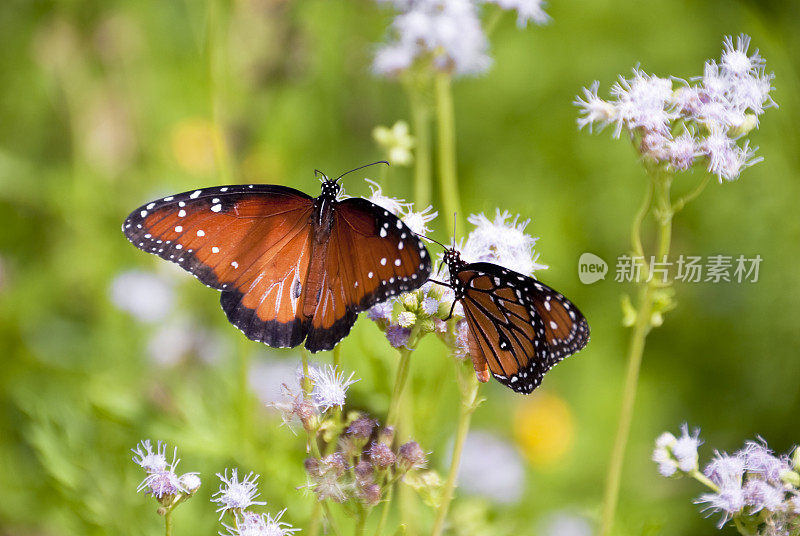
(307, 413)
(410, 456)
(381, 455)
(370, 494)
(749, 123)
(790, 477)
(406, 319)
(334, 462)
(386, 435)
(312, 466)
(364, 471)
(190, 482)
(361, 428)
(796, 458)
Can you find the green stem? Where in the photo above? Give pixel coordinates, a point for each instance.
(703, 479)
(216, 39)
(361, 523)
(314, 524)
(401, 378)
(421, 125)
(468, 383)
(385, 511)
(243, 387)
(661, 182)
(168, 523)
(683, 201)
(446, 131)
(329, 516)
(337, 357)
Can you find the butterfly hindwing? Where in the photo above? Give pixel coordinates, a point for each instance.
(518, 325)
(372, 255)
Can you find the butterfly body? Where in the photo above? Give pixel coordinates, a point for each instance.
(518, 327)
(290, 267)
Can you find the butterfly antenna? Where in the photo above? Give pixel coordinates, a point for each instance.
(361, 167)
(440, 283)
(454, 229)
(431, 240)
(317, 174)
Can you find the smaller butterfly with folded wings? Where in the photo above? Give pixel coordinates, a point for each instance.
(518, 327)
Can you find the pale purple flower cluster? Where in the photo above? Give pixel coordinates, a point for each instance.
(161, 481)
(752, 484)
(502, 241)
(328, 389)
(447, 33)
(678, 126)
(251, 524)
(235, 497)
(677, 453)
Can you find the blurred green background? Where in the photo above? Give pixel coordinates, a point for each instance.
(107, 104)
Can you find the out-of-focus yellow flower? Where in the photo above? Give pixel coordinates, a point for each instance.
(193, 142)
(397, 143)
(544, 428)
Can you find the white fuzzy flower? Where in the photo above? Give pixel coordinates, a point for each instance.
(735, 60)
(330, 386)
(252, 524)
(491, 467)
(527, 10)
(150, 460)
(406, 319)
(502, 242)
(235, 496)
(662, 454)
(144, 295)
(392, 204)
(685, 449)
(643, 101)
(683, 151)
(418, 221)
(448, 31)
(594, 109)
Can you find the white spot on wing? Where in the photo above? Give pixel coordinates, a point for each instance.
(216, 208)
(196, 194)
(201, 233)
(215, 249)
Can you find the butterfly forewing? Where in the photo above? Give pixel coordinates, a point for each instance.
(519, 326)
(372, 255)
(251, 242)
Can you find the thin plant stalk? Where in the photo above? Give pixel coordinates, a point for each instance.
(657, 197)
(468, 384)
(313, 447)
(446, 135)
(401, 378)
(385, 510)
(216, 37)
(421, 125)
(168, 523)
